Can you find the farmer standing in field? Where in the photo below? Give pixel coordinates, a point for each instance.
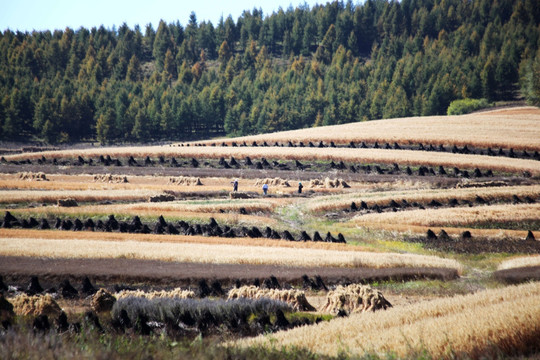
(235, 185)
(265, 189)
(300, 186)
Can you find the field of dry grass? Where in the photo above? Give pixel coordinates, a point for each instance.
(519, 262)
(455, 217)
(423, 196)
(517, 128)
(487, 322)
(213, 253)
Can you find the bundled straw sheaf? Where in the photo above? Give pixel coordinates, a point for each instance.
(328, 183)
(177, 293)
(31, 176)
(185, 180)
(109, 178)
(354, 298)
(273, 182)
(35, 305)
(296, 298)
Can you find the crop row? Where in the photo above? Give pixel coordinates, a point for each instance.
(475, 193)
(456, 217)
(265, 164)
(163, 227)
(362, 156)
(454, 149)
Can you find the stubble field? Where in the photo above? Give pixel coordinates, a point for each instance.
(438, 208)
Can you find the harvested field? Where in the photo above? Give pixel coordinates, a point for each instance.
(214, 254)
(123, 270)
(516, 128)
(503, 319)
(455, 217)
(383, 156)
(425, 196)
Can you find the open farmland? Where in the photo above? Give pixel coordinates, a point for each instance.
(447, 212)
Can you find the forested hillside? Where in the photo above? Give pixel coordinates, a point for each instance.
(330, 64)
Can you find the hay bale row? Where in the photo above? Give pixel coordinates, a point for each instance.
(273, 182)
(185, 180)
(31, 176)
(328, 183)
(296, 298)
(163, 227)
(175, 293)
(354, 298)
(109, 178)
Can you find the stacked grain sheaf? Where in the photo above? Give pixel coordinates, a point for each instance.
(110, 178)
(175, 293)
(354, 298)
(30, 176)
(185, 180)
(273, 182)
(296, 298)
(328, 183)
(35, 305)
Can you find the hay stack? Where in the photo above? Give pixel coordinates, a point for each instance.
(185, 180)
(102, 301)
(109, 178)
(161, 198)
(177, 293)
(328, 183)
(30, 176)
(296, 298)
(35, 305)
(272, 182)
(354, 298)
(67, 202)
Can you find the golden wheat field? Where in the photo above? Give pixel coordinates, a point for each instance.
(165, 214)
(214, 253)
(456, 217)
(517, 128)
(471, 325)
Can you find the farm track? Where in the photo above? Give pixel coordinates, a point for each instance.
(17, 269)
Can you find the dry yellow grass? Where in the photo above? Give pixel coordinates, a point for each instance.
(328, 203)
(294, 297)
(214, 253)
(518, 262)
(454, 217)
(403, 157)
(463, 326)
(174, 293)
(51, 196)
(517, 128)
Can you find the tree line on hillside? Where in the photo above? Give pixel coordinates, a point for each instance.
(329, 64)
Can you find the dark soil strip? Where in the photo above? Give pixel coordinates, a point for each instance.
(18, 270)
(479, 245)
(518, 275)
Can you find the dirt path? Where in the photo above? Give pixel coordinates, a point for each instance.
(18, 270)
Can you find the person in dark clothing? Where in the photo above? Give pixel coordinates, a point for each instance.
(265, 189)
(235, 185)
(300, 186)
